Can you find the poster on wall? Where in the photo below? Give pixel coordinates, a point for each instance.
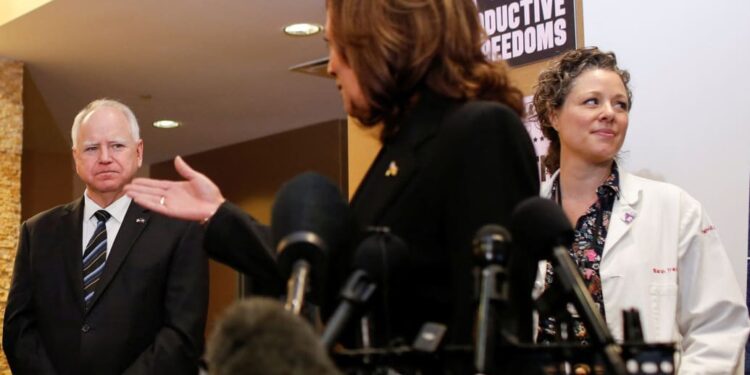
(541, 143)
(525, 31)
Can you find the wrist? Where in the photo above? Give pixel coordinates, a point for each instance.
(211, 212)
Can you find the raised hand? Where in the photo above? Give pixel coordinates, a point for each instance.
(195, 198)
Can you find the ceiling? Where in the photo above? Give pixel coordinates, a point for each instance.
(221, 67)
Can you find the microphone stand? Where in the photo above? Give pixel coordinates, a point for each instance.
(567, 273)
(491, 246)
(307, 251)
(355, 294)
(493, 291)
(297, 287)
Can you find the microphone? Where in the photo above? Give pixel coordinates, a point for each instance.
(541, 225)
(308, 220)
(632, 329)
(378, 260)
(491, 253)
(257, 336)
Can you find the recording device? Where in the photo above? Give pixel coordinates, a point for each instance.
(308, 221)
(491, 254)
(377, 262)
(542, 228)
(257, 336)
(642, 358)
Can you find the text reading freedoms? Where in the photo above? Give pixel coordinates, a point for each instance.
(527, 30)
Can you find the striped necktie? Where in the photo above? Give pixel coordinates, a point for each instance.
(94, 256)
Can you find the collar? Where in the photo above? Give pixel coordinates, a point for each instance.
(627, 189)
(422, 120)
(117, 209)
(612, 183)
(630, 189)
(606, 191)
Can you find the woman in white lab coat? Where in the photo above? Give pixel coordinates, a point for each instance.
(638, 243)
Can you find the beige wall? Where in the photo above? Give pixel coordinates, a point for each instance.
(362, 147)
(250, 173)
(48, 174)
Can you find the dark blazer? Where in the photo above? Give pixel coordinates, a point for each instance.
(458, 166)
(149, 310)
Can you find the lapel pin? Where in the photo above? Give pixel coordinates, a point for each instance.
(140, 220)
(392, 170)
(628, 217)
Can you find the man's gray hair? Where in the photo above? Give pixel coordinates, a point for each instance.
(99, 103)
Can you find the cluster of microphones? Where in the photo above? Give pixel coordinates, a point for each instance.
(312, 230)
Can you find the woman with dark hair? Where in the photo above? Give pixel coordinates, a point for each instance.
(638, 243)
(455, 154)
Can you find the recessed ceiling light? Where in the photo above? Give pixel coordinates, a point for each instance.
(303, 29)
(166, 124)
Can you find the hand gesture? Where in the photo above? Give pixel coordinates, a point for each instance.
(196, 198)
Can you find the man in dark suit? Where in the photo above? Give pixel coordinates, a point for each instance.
(102, 285)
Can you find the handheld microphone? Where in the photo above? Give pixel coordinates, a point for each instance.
(308, 221)
(541, 225)
(377, 261)
(491, 253)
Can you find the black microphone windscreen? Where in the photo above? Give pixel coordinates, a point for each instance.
(382, 255)
(492, 245)
(257, 336)
(308, 203)
(539, 224)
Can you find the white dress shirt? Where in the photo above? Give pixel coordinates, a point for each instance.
(117, 210)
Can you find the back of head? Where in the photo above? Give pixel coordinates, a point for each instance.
(399, 47)
(556, 81)
(257, 336)
(100, 103)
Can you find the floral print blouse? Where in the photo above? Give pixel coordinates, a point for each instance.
(586, 251)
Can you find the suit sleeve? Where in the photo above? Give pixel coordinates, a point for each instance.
(179, 344)
(22, 344)
(711, 312)
(238, 240)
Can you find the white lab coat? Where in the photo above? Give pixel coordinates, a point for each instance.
(663, 256)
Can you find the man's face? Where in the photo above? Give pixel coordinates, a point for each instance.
(106, 155)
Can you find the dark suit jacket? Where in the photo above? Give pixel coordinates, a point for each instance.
(460, 165)
(148, 313)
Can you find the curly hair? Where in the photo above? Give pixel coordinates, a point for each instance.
(399, 47)
(555, 83)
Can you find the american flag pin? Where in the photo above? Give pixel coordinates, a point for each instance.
(140, 220)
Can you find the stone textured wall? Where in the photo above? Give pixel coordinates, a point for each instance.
(11, 142)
